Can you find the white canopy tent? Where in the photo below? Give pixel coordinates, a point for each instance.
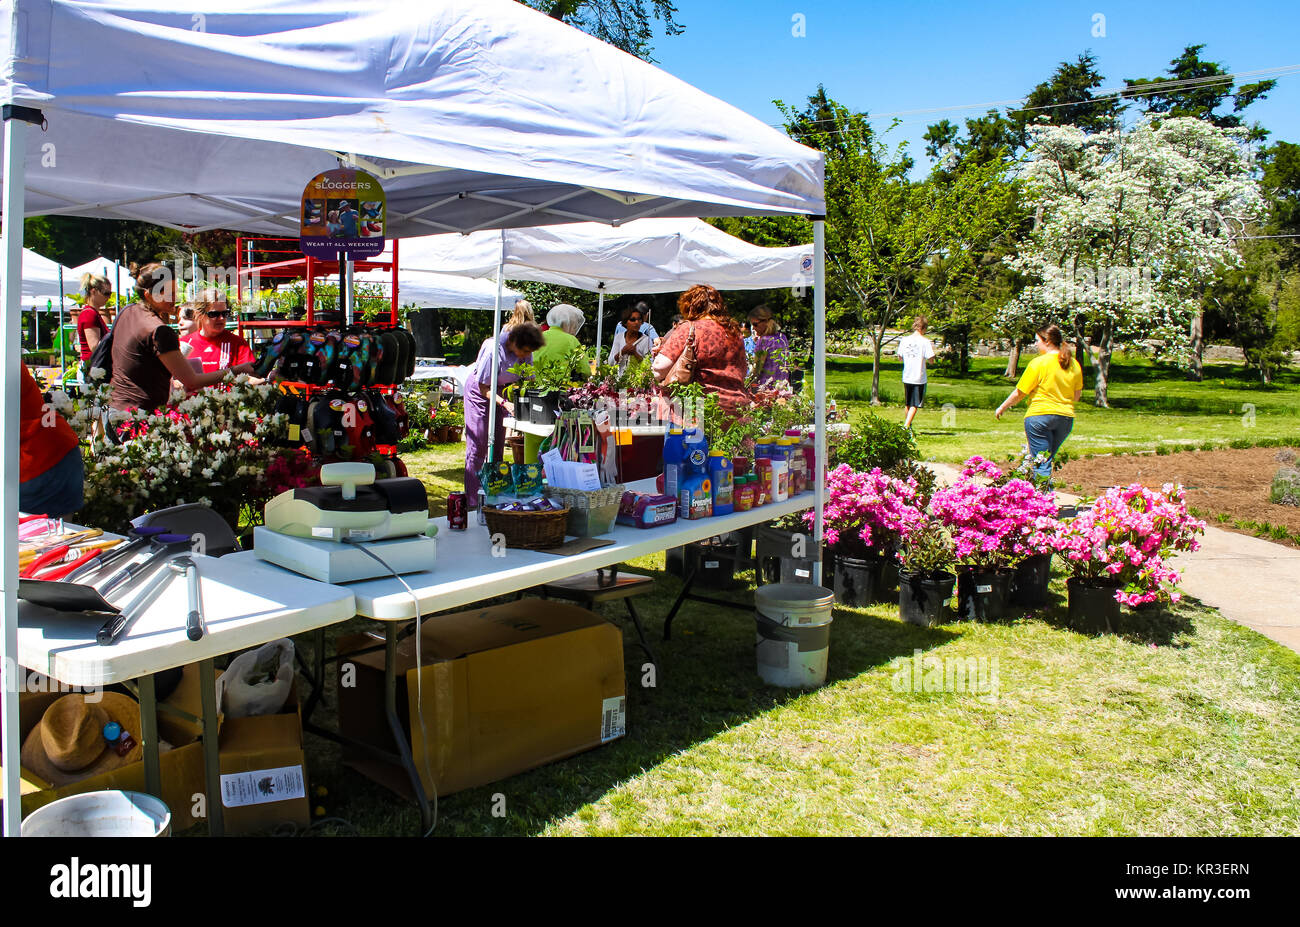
(440, 291)
(644, 256)
(475, 114)
(117, 274)
(41, 279)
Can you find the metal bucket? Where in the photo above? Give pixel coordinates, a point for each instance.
(101, 814)
(793, 636)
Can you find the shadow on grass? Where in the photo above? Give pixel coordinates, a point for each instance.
(707, 683)
(1164, 627)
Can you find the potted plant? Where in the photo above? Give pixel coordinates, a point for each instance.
(546, 386)
(447, 424)
(925, 582)
(1117, 552)
(865, 517)
(996, 520)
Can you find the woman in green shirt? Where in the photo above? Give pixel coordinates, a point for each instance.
(563, 323)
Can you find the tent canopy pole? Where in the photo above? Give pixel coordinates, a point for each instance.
(11, 336)
(496, 356)
(819, 385)
(600, 318)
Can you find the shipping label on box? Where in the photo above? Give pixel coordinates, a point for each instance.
(261, 786)
(613, 723)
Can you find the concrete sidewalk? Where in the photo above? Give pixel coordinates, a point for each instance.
(1252, 581)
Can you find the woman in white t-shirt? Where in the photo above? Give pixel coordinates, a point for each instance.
(916, 352)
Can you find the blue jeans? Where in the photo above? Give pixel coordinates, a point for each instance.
(1046, 434)
(59, 491)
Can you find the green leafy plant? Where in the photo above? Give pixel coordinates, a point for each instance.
(927, 550)
(873, 442)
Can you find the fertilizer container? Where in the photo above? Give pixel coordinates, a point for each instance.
(100, 814)
(794, 631)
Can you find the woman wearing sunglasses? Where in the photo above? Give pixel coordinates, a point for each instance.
(211, 344)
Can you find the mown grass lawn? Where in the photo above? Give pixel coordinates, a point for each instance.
(1151, 405)
(1187, 725)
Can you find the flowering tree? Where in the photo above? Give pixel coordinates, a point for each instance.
(995, 522)
(1126, 538)
(1131, 224)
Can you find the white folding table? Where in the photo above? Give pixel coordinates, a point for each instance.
(245, 603)
(470, 568)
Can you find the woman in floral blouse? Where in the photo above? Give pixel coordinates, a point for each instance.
(719, 346)
(768, 349)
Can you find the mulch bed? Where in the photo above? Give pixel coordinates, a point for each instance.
(1233, 482)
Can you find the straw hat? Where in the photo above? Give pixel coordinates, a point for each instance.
(68, 745)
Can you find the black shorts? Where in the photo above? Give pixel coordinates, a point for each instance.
(915, 394)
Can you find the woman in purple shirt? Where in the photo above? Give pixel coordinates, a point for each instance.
(517, 348)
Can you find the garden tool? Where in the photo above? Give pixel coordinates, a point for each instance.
(116, 626)
(55, 561)
(194, 618)
(138, 537)
(36, 551)
(164, 546)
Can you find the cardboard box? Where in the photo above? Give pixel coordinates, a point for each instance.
(505, 689)
(181, 769)
(264, 770)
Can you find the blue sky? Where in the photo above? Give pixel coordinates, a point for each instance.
(891, 57)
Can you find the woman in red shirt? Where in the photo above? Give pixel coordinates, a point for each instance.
(52, 479)
(211, 344)
(720, 362)
(92, 326)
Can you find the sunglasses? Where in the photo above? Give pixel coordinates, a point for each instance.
(218, 315)
(634, 318)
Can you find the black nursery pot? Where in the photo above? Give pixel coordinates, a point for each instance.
(922, 599)
(983, 595)
(1092, 606)
(861, 582)
(539, 407)
(1029, 585)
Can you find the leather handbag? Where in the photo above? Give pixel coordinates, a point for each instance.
(683, 369)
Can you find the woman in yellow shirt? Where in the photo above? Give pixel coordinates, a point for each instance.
(1053, 381)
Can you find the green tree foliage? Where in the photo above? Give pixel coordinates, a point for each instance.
(1199, 89)
(884, 232)
(625, 24)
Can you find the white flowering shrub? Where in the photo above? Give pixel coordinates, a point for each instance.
(220, 447)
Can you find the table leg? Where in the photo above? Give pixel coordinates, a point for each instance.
(211, 747)
(640, 631)
(395, 725)
(318, 682)
(681, 597)
(149, 736)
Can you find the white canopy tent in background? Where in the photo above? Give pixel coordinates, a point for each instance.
(439, 291)
(41, 280)
(115, 271)
(644, 256)
(475, 114)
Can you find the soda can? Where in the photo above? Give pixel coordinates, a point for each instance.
(457, 511)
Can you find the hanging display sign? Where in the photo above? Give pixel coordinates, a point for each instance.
(342, 210)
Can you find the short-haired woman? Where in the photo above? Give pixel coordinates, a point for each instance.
(1053, 381)
(517, 348)
(146, 349)
(211, 343)
(719, 346)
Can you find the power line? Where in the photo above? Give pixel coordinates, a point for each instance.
(1159, 87)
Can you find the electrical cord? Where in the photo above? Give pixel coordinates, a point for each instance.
(419, 676)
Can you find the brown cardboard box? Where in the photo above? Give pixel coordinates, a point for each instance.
(506, 689)
(181, 770)
(264, 770)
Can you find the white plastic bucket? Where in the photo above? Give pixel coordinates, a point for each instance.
(101, 814)
(793, 635)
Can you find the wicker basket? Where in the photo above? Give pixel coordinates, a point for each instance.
(591, 511)
(528, 530)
